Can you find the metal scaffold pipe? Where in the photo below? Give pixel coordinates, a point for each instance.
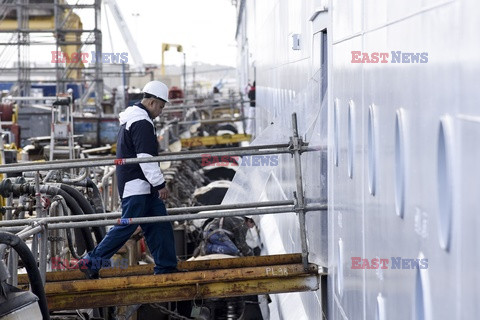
(206, 215)
(172, 212)
(297, 143)
(81, 163)
(27, 233)
(201, 215)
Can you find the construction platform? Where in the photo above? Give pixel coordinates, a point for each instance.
(205, 279)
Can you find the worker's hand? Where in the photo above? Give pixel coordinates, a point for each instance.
(163, 193)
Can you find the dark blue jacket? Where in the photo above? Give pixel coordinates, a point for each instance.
(137, 139)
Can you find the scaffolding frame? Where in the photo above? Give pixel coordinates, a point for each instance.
(42, 224)
(61, 12)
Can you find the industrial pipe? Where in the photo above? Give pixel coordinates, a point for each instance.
(219, 214)
(104, 183)
(79, 163)
(172, 212)
(49, 175)
(77, 179)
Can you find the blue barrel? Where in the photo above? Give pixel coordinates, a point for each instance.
(108, 130)
(88, 127)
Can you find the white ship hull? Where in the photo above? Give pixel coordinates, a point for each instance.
(403, 173)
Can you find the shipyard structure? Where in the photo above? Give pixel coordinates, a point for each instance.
(330, 175)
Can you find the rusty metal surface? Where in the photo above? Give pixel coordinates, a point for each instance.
(217, 278)
(183, 265)
(179, 279)
(181, 286)
(178, 293)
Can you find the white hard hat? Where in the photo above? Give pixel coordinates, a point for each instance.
(157, 89)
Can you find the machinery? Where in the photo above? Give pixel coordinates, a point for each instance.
(16, 304)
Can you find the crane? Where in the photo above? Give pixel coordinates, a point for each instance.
(127, 36)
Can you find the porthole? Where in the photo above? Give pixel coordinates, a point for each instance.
(335, 131)
(351, 137)
(422, 307)
(372, 150)
(340, 268)
(380, 313)
(445, 181)
(400, 163)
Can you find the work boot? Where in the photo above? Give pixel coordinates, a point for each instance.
(90, 273)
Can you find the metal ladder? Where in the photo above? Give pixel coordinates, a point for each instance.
(62, 124)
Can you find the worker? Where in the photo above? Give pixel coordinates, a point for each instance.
(251, 95)
(141, 187)
(226, 235)
(250, 125)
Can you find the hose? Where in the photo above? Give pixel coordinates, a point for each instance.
(86, 208)
(75, 209)
(97, 198)
(65, 209)
(31, 265)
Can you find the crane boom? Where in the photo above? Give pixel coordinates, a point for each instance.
(127, 36)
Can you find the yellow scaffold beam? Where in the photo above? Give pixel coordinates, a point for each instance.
(147, 269)
(181, 286)
(214, 140)
(205, 279)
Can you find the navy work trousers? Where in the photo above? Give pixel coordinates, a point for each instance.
(159, 235)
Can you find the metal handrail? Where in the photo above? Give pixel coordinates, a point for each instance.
(170, 218)
(173, 212)
(109, 161)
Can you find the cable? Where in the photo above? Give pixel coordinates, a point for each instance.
(86, 208)
(65, 210)
(75, 209)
